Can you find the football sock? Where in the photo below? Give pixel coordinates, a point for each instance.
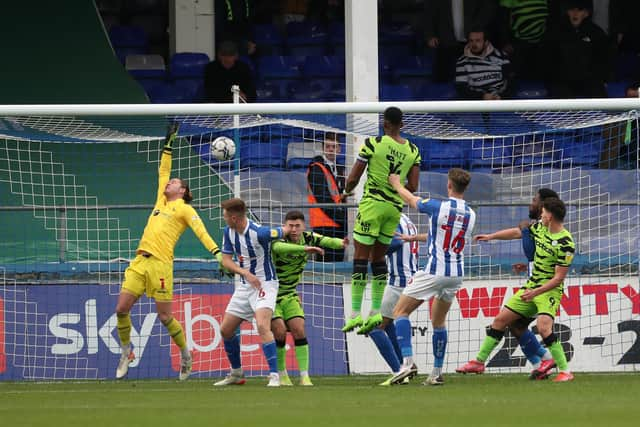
(403, 329)
(382, 341)
(124, 329)
(530, 347)
(358, 285)
(391, 333)
(175, 331)
(270, 353)
(378, 283)
(554, 346)
(490, 342)
(281, 349)
(439, 342)
(232, 348)
(302, 354)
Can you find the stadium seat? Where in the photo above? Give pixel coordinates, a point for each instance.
(299, 154)
(531, 90)
(167, 93)
(262, 155)
(323, 66)
(396, 92)
(268, 39)
(188, 64)
(439, 91)
(145, 66)
(278, 67)
(489, 155)
(627, 67)
(617, 89)
(128, 36)
(443, 155)
(305, 38)
(413, 66)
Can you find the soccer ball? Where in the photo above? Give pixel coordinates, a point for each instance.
(223, 148)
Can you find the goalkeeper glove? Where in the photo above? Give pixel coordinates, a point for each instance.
(172, 133)
(223, 271)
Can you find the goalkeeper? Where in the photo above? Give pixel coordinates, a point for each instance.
(288, 313)
(151, 271)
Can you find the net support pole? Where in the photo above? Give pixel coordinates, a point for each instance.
(235, 89)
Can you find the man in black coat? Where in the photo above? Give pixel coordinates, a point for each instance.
(578, 56)
(225, 72)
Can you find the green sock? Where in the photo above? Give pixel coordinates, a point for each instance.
(124, 329)
(558, 355)
(175, 331)
(377, 290)
(302, 355)
(282, 358)
(358, 285)
(486, 348)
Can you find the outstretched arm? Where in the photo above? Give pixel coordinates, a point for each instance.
(406, 195)
(506, 234)
(164, 171)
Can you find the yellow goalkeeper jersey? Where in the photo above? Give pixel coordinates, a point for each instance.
(168, 220)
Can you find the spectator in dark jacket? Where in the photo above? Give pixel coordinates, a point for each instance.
(579, 55)
(325, 179)
(225, 72)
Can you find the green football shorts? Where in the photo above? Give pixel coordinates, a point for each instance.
(546, 303)
(376, 220)
(288, 308)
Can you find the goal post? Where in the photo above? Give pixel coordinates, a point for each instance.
(78, 182)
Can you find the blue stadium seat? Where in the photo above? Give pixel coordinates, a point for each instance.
(627, 66)
(262, 155)
(268, 39)
(443, 155)
(298, 163)
(269, 91)
(489, 155)
(582, 147)
(323, 66)
(531, 90)
(396, 92)
(167, 93)
(617, 89)
(188, 64)
(414, 66)
(305, 38)
(278, 67)
(145, 66)
(439, 91)
(128, 36)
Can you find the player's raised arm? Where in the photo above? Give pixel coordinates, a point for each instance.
(354, 176)
(164, 171)
(406, 195)
(506, 234)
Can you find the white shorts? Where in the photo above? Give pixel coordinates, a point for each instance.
(389, 300)
(422, 286)
(246, 299)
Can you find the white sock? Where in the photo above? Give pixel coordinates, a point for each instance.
(184, 352)
(436, 372)
(408, 361)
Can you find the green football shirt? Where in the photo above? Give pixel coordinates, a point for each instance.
(290, 265)
(552, 249)
(385, 156)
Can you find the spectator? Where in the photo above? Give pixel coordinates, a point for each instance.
(526, 24)
(579, 55)
(325, 180)
(234, 21)
(446, 24)
(482, 72)
(226, 71)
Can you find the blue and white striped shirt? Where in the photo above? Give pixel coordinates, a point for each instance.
(402, 257)
(252, 248)
(451, 224)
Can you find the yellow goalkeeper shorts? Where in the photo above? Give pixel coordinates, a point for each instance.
(151, 275)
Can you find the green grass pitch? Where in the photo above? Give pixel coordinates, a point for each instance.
(477, 400)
